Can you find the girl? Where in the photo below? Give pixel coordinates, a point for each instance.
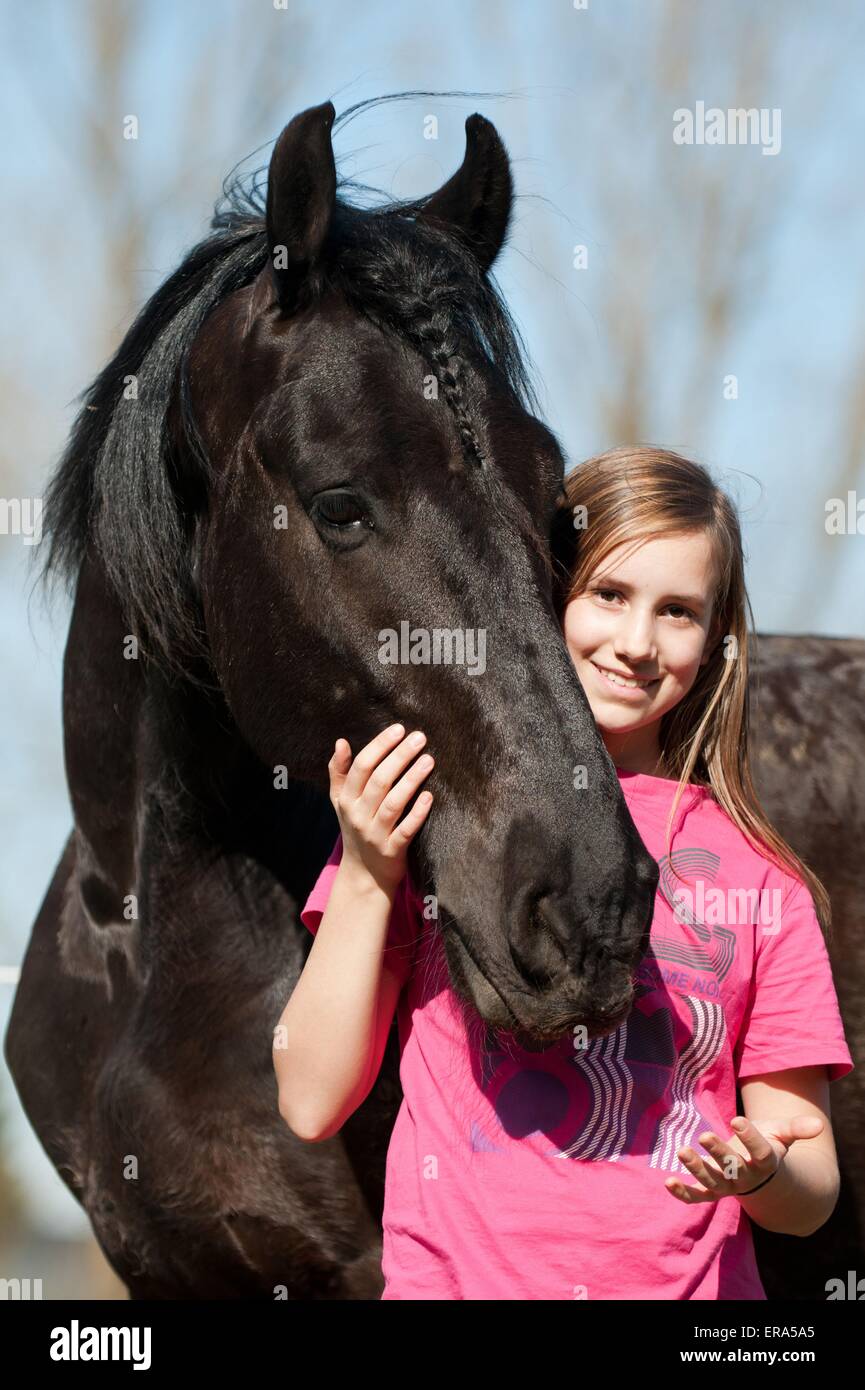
(622, 1167)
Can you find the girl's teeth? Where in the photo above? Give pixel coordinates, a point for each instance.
(618, 680)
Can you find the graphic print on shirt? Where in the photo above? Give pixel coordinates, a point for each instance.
(635, 1093)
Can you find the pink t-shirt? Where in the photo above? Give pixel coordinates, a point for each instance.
(525, 1175)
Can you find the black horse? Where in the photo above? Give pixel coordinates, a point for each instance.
(318, 429)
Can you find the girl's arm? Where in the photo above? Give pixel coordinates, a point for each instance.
(803, 1196)
(331, 1037)
(335, 1025)
(330, 1040)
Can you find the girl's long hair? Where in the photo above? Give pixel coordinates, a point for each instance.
(633, 494)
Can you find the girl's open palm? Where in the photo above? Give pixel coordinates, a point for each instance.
(370, 793)
(750, 1157)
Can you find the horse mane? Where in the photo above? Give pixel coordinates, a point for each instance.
(118, 485)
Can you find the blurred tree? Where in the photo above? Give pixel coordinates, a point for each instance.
(241, 83)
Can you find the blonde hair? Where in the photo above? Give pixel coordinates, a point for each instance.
(639, 493)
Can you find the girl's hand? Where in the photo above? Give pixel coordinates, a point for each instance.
(740, 1166)
(368, 804)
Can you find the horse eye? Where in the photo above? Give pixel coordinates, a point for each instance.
(340, 509)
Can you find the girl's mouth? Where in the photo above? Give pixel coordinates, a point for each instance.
(630, 686)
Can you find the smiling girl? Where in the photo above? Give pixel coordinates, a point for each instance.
(563, 1174)
(657, 632)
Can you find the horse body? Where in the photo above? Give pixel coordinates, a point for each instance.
(808, 702)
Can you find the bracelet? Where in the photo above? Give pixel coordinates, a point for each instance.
(759, 1185)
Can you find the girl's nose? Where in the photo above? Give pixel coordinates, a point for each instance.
(634, 642)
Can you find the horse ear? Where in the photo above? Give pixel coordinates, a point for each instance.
(476, 201)
(301, 190)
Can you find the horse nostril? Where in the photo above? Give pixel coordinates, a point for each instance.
(546, 914)
(537, 948)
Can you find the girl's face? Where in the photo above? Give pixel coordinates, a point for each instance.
(647, 619)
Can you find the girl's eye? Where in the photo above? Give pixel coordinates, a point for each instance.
(685, 612)
(339, 509)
